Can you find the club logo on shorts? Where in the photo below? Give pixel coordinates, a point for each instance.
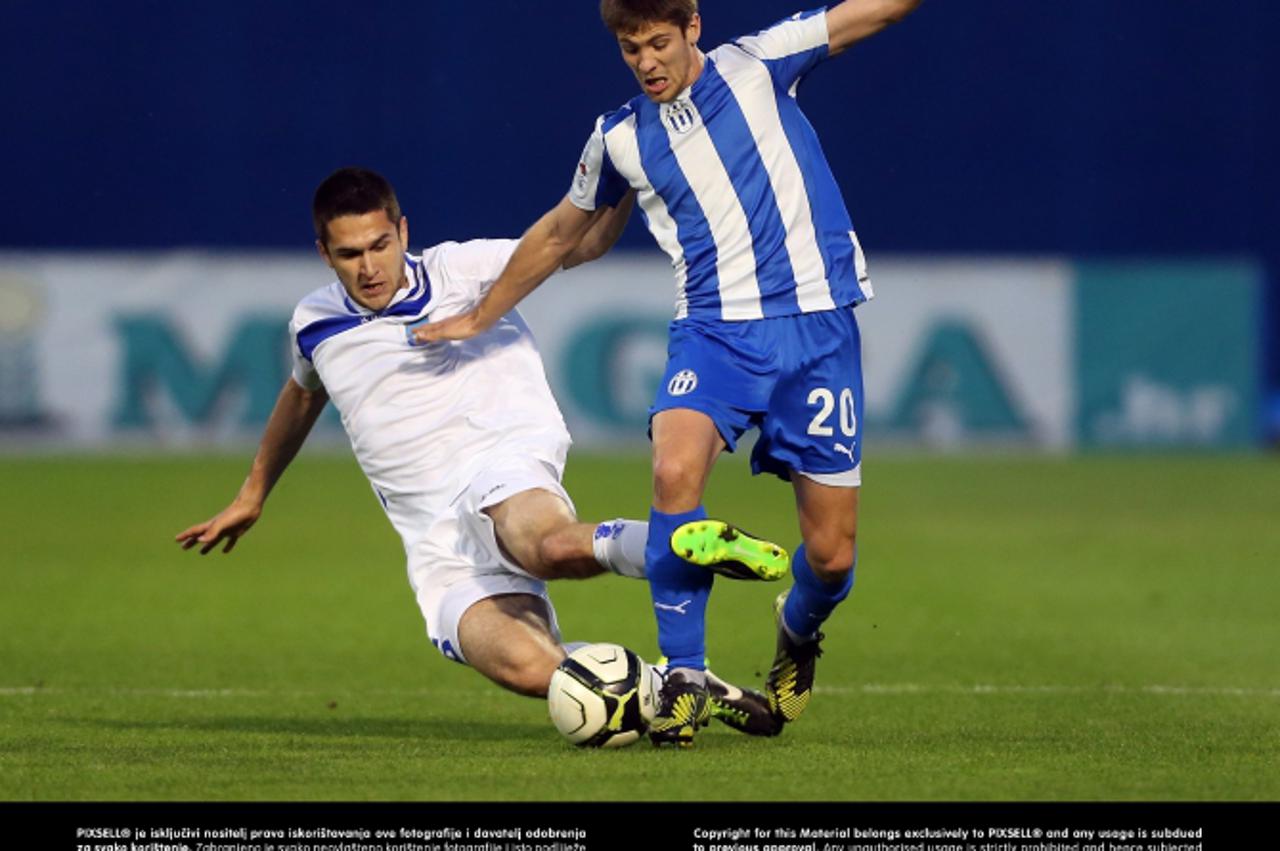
(684, 381)
(680, 115)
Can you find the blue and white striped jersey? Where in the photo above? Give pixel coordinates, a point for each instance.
(733, 184)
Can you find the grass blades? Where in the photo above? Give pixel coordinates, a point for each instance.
(1022, 628)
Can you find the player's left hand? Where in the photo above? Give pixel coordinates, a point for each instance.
(464, 326)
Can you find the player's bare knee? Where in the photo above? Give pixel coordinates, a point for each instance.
(676, 480)
(832, 573)
(831, 560)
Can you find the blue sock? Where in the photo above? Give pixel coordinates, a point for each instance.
(811, 601)
(680, 591)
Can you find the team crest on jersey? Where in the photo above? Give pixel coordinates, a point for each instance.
(683, 382)
(680, 115)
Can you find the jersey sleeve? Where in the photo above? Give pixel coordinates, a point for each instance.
(475, 265)
(790, 48)
(597, 183)
(303, 371)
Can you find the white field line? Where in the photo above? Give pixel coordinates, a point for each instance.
(873, 689)
(1179, 691)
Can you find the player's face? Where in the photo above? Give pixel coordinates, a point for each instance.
(664, 58)
(367, 252)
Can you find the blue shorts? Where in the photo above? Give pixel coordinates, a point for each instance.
(798, 379)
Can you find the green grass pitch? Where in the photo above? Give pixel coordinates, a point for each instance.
(1022, 628)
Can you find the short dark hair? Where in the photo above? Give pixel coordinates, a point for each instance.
(351, 191)
(628, 16)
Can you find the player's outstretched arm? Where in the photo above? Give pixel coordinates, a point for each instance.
(542, 250)
(296, 411)
(603, 234)
(854, 20)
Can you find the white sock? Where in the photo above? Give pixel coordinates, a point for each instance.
(619, 546)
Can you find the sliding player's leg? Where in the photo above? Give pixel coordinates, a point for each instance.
(512, 639)
(538, 530)
(519, 509)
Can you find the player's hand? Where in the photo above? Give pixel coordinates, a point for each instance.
(232, 522)
(464, 326)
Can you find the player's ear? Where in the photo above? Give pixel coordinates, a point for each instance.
(694, 30)
(323, 251)
(404, 232)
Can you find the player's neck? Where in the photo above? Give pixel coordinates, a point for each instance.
(699, 65)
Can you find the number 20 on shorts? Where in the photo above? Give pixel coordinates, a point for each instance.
(825, 400)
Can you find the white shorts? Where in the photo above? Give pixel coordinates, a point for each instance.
(460, 562)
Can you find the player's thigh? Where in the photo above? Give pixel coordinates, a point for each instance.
(686, 444)
(511, 639)
(522, 522)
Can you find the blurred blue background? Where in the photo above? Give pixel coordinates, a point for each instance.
(1091, 129)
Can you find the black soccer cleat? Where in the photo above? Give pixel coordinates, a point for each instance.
(790, 682)
(745, 710)
(682, 708)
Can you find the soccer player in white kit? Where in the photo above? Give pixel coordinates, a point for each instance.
(462, 442)
(735, 187)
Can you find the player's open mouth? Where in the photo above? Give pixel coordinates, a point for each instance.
(655, 85)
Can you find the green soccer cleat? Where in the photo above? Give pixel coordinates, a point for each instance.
(790, 682)
(729, 551)
(745, 710)
(682, 708)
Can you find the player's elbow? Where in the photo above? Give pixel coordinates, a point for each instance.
(899, 9)
(891, 12)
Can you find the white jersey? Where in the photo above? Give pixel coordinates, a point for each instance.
(733, 184)
(426, 422)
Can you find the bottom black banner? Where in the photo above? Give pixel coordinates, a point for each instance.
(767, 826)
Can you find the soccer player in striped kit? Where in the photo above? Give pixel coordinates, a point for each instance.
(734, 186)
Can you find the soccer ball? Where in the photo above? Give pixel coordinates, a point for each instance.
(602, 696)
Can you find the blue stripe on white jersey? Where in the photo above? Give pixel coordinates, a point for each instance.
(321, 318)
(733, 184)
(667, 175)
(745, 169)
(619, 128)
(320, 330)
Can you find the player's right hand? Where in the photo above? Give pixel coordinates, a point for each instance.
(228, 525)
